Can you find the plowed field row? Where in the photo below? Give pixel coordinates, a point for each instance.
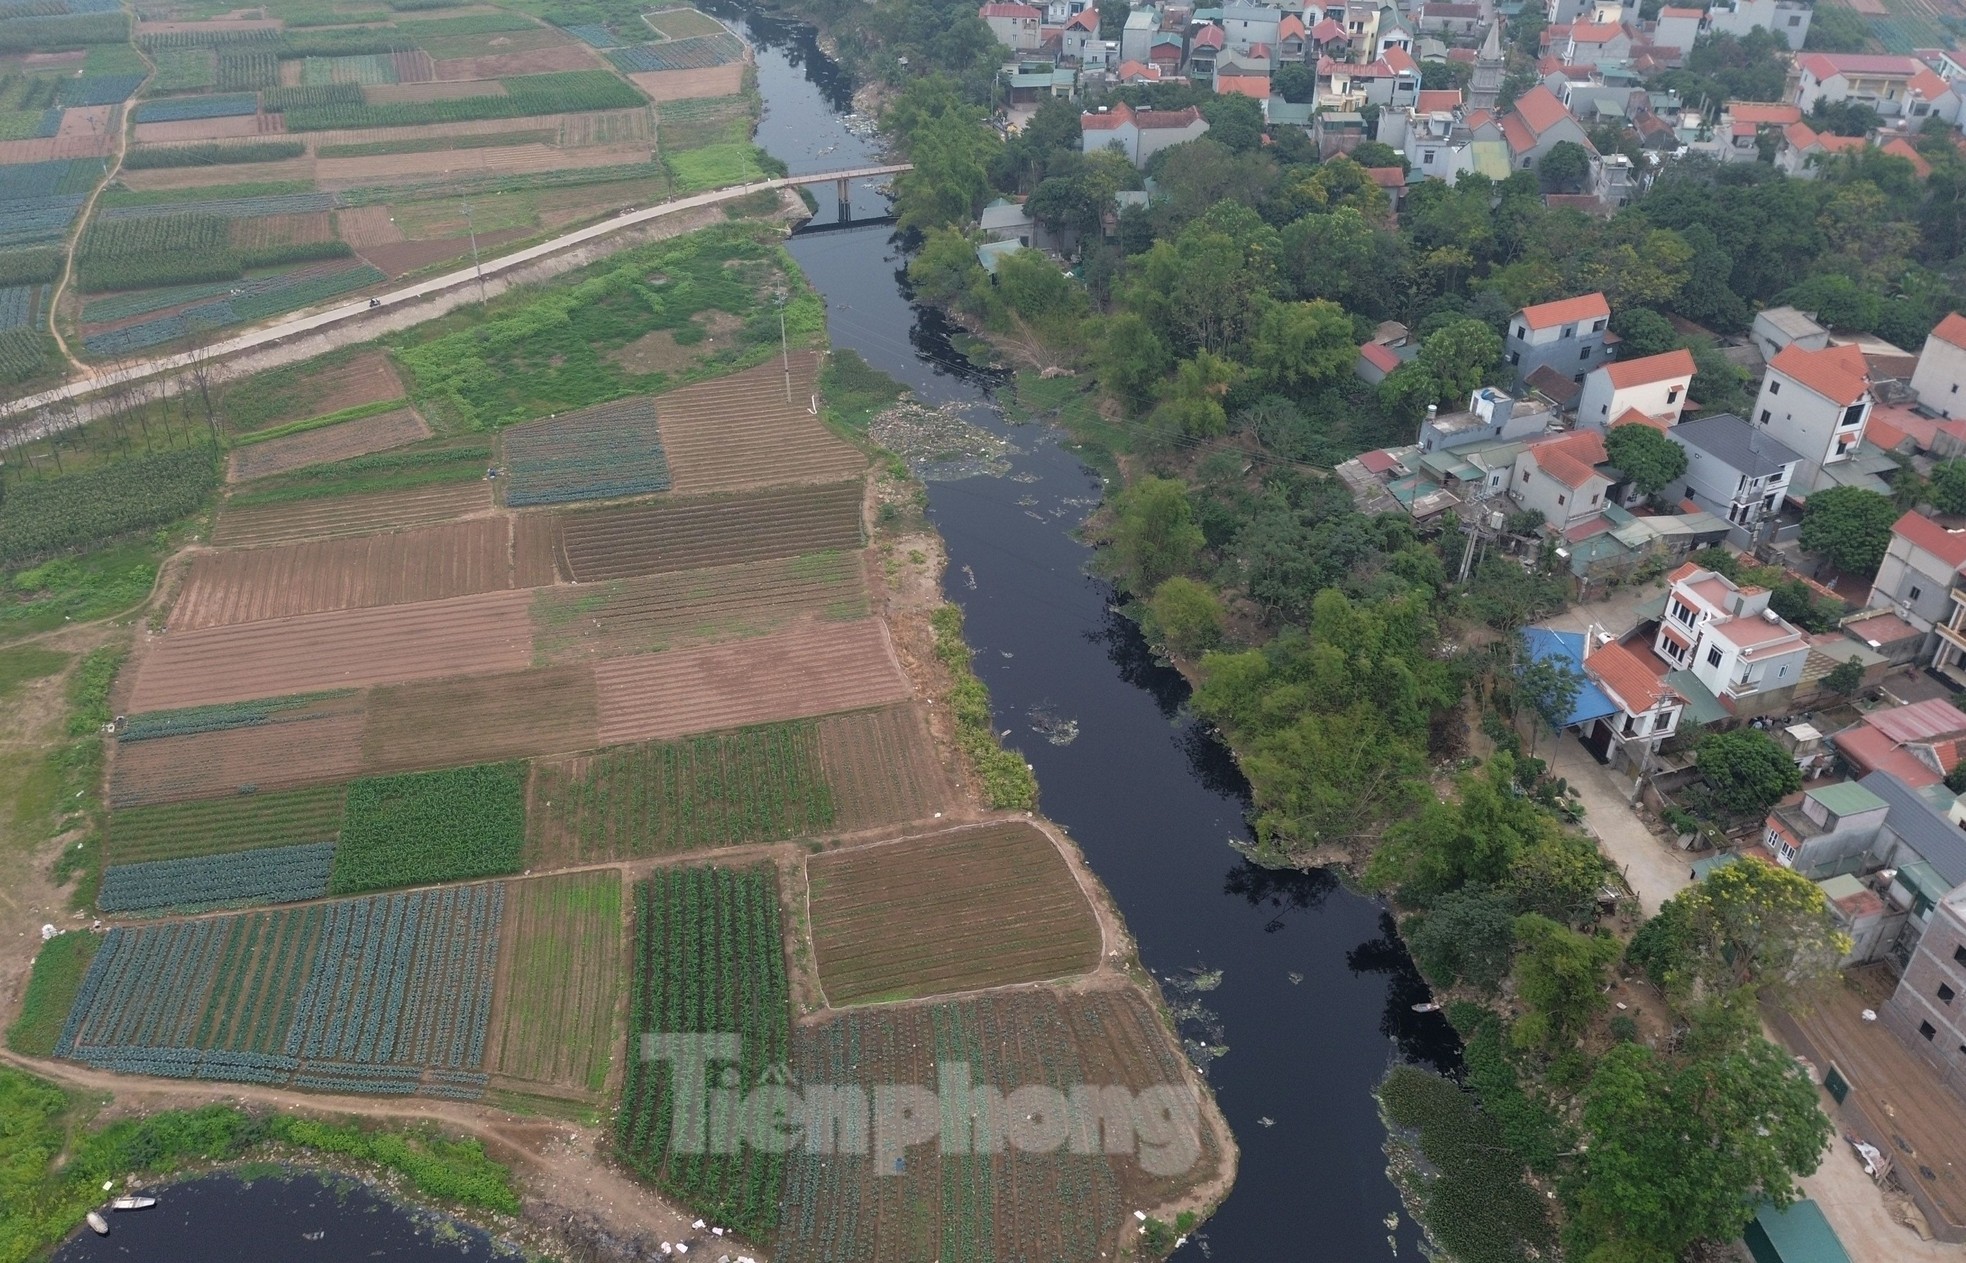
(629, 616)
(348, 515)
(429, 563)
(883, 768)
(480, 719)
(948, 912)
(646, 539)
(789, 675)
(351, 648)
(552, 1022)
(335, 442)
(739, 432)
(215, 764)
(221, 825)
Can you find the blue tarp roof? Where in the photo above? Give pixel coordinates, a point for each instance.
(1591, 703)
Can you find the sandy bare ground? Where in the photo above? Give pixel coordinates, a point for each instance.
(680, 85)
(231, 173)
(530, 62)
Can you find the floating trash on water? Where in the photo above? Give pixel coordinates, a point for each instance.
(1198, 979)
(1391, 1221)
(1053, 727)
(1294, 977)
(941, 444)
(1266, 1121)
(969, 578)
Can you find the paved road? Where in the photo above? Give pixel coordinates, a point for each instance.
(464, 276)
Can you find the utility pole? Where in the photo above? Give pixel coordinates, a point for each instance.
(478, 267)
(784, 351)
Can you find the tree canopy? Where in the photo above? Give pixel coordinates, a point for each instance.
(1850, 527)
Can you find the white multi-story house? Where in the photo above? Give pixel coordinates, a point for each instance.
(1654, 387)
(1648, 707)
(1817, 402)
(1889, 84)
(1919, 572)
(1140, 134)
(1017, 26)
(1567, 335)
(1558, 477)
(1734, 472)
(1788, 19)
(1728, 638)
(1942, 368)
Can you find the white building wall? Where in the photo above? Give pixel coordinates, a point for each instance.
(1602, 403)
(1812, 425)
(1940, 376)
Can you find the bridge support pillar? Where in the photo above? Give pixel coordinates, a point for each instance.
(845, 196)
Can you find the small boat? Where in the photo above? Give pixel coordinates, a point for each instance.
(1428, 1007)
(100, 1224)
(133, 1203)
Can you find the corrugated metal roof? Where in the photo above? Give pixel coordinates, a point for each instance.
(1591, 703)
(1924, 830)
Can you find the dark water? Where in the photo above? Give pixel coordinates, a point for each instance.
(225, 1219)
(1316, 995)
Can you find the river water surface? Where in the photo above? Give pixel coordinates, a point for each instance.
(1316, 992)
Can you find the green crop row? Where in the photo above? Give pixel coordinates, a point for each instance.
(431, 827)
(184, 70)
(380, 471)
(30, 267)
(247, 69)
(165, 250)
(218, 825)
(564, 92)
(355, 413)
(317, 95)
(213, 154)
(38, 519)
(58, 34)
(438, 144)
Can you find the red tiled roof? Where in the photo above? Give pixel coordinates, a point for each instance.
(1829, 65)
(1671, 12)
(1887, 436)
(1085, 20)
(1291, 25)
(1686, 571)
(1326, 30)
(1439, 100)
(1147, 120)
(1625, 374)
(1516, 132)
(1620, 670)
(1379, 461)
(1107, 120)
(1920, 721)
(1595, 32)
(1952, 330)
(1130, 70)
(1830, 373)
(1539, 108)
(1379, 355)
(1254, 86)
(1387, 177)
(1566, 311)
(1568, 458)
(1467, 55)
(1001, 10)
(1928, 85)
(1209, 36)
(1401, 61)
(1632, 416)
(1901, 148)
(1923, 533)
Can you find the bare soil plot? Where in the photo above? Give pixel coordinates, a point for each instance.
(348, 648)
(1073, 1204)
(956, 911)
(805, 671)
(263, 231)
(425, 564)
(206, 176)
(86, 121)
(682, 23)
(348, 515)
(535, 540)
(668, 535)
(681, 85)
(883, 767)
(330, 443)
(365, 226)
(737, 432)
(49, 148)
(340, 173)
(392, 93)
(527, 62)
(559, 984)
(495, 43)
(762, 784)
(647, 615)
(408, 256)
(214, 764)
(480, 719)
(366, 377)
(230, 128)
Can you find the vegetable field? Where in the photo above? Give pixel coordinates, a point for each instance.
(389, 995)
(164, 250)
(218, 826)
(630, 616)
(754, 785)
(553, 1018)
(431, 826)
(396, 428)
(279, 874)
(709, 958)
(645, 539)
(739, 432)
(480, 718)
(240, 761)
(285, 522)
(562, 92)
(39, 519)
(598, 453)
(1062, 1206)
(954, 911)
(883, 767)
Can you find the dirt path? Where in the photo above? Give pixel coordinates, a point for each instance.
(110, 171)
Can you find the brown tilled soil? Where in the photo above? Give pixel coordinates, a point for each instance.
(789, 675)
(408, 256)
(366, 226)
(665, 535)
(206, 176)
(883, 768)
(738, 432)
(260, 231)
(366, 377)
(413, 66)
(211, 764)
(200, 129)
(390, 93)
(336, 442)
(348, 648)
(209, 26)
(423, 564)
(85, 121)
(682, 85)
(52, 147)
(336, 173)
(949, 912)
(348, 515)
(529, 62)
(480, 719)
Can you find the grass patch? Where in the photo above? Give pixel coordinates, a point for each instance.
(51, 992)
(400, 470)
(28, 662)
(715, 167)
(431, 827)
(1473, 1199)
(88, 689)
(855, 390)
(1007, 779)
(355, 413)
(78, 589)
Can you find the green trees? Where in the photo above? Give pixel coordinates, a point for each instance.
(1948, 487)
(1183, 615)
(1560, 974)
(1849, 526)
(1301, 345)
(1652, 459)
(1681, 1153)
(1846, 676)
(1566, 168)
(1748, 927)
(1154, 535)
(1746, 771)
(1453, 361)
